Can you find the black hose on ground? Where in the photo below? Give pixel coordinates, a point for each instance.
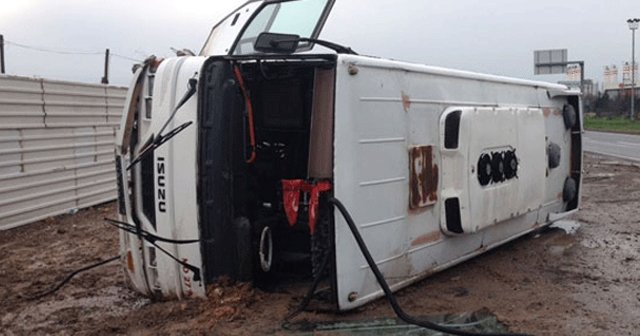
(387, 291)
(307, 298)
(70, 276)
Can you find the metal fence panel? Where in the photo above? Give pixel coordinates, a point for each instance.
(56, 147)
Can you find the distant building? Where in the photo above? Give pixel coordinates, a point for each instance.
(610, 78)
(626, 74)
(612, 86)
(573, 75)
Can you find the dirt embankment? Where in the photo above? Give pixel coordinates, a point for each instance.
(547, 283)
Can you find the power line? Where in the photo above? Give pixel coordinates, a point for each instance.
(63, 52)
(125, 57)
(67, 52)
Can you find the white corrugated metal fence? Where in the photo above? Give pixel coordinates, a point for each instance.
(56, 147)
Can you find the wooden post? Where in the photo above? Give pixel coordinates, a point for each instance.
(105, 79)
(1, 54)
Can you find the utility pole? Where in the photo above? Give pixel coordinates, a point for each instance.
(1, 54)
(633, 76)
(633, 25)
(105, 79)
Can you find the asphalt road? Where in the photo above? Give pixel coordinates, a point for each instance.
(622, 146)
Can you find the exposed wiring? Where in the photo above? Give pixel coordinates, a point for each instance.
(192, 268)
(70, 276)
(262, 70)
(146, 235)
(387, 291)
(153, 239)
(249, 107)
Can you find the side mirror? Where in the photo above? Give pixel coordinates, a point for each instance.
(277, 43)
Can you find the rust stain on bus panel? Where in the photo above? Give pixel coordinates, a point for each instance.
(424, 177)
(549, 111)
(406, 102)
(427, 239)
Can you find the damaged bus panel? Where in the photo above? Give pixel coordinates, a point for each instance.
(228, 162)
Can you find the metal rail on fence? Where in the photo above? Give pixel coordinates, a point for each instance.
(56, 147)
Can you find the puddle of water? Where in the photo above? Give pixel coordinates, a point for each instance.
(481, 322)
(568, 226)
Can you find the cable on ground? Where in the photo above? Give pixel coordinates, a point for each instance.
(390, 296)
(70, 276)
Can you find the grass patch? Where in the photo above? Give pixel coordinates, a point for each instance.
(617, 124)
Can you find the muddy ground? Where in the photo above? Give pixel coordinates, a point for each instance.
(547, 283)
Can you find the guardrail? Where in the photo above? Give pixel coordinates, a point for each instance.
(56, 147)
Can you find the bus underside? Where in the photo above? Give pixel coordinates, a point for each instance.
(265, 169)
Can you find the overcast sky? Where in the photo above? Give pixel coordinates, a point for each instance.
(491, 36)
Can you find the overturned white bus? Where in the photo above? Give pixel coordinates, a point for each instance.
(229, 163)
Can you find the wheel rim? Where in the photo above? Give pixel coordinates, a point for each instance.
(266, 249)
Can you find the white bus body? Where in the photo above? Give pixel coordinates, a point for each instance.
(435, 165)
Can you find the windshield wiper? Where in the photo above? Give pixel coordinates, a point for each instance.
(160, 139)
(340, 49)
